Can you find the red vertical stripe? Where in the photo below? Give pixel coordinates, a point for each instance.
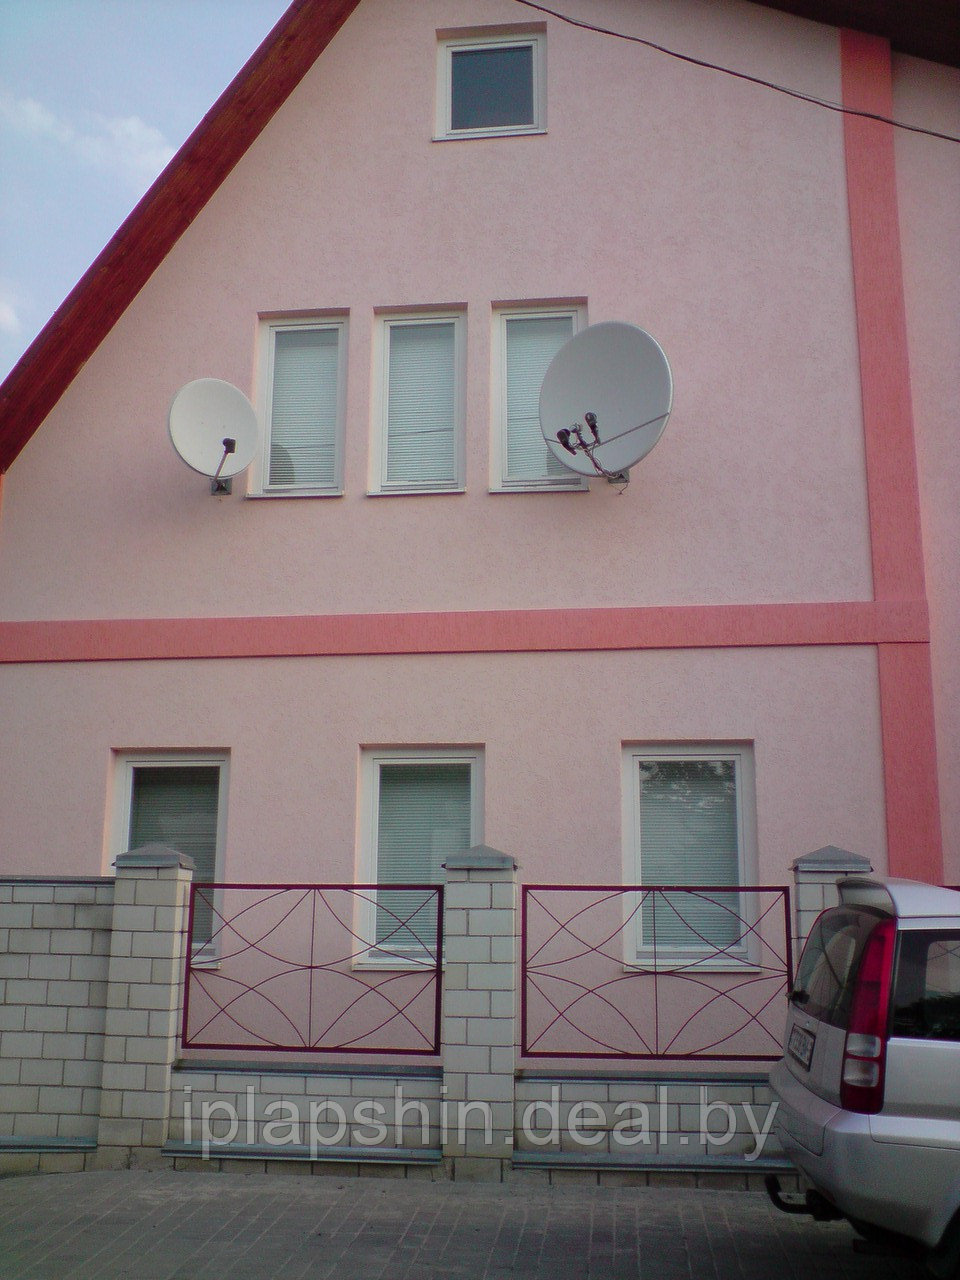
(910, 762)
(881, 322)
(906, 690)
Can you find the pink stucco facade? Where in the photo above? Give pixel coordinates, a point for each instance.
(714, 213)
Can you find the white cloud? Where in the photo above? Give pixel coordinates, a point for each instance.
(123, 145)
(25, 115)
(127, 145)
(10, 322)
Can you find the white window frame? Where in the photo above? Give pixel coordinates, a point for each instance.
(124, 764)
(500, 482)
(260, 486)
(466, 42)
(636, 955)
(379, 485)
(371, 761)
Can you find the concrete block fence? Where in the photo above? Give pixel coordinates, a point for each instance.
(54, 967)
(91, 1074)
(815, 879)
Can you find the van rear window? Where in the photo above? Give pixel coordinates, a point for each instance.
(926, 1002)
(825, 978)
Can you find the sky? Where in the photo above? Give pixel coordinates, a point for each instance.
(95, 97)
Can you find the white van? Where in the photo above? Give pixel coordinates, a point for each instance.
(868, 1089)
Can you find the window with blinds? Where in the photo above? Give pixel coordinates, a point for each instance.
(422, 444)
(178, 804)
(689, 830)
(528, 343)
(304, 410)
(422, 810)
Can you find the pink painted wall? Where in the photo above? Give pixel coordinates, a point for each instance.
(711, 211)
(929, 197)
(294, 727)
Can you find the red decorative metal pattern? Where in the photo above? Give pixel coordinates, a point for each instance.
(597, 982)
(302, 967)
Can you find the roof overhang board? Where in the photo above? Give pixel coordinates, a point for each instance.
(927, 29)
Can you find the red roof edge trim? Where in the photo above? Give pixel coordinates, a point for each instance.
(90, 310)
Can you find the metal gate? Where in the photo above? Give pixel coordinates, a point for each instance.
(678, 972)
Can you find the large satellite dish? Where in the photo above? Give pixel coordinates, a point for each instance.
(605, 399)
(213, 427)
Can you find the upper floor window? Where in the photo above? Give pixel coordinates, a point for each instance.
(303, 383)
(491, 84)
(525, 342)
(420, 405)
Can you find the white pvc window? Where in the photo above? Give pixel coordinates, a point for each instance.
(689, 817)
(177, 800)
(525, 343)
(303, 408)
(421, 807)
(421, 405)
(491, 85)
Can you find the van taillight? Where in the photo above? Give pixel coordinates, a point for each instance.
(864, 1054)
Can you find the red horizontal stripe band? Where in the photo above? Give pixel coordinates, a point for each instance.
(491, 631)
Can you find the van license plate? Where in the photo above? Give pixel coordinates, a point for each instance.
(800, 1046)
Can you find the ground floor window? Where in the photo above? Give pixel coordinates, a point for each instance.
(180, 801)
(420, 807)
(689, 821)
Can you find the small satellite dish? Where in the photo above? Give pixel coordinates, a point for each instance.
(605, 399)
(213, 427)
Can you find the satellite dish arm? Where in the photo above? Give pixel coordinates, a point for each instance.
(229, 446)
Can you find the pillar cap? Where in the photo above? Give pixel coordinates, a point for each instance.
(831, 858)
(154, 855)
(481, 858)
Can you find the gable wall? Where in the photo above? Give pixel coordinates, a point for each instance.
(710, 211)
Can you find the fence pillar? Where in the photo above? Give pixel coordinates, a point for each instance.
(479, 1023)
(815, 878)
(144, 1003)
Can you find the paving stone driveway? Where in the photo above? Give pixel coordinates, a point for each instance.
(223, 1226)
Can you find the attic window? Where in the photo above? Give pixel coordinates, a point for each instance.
(490, 85)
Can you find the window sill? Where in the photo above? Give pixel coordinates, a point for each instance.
(533, 487)
(412, 493)
(467, 135)
(396, 963)
(691, 964)
(294, 493)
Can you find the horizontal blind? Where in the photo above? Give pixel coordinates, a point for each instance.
(303, 416)
(531, 343)
(421, 406)
(176, 805)
(424, 818)
(689, 834)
